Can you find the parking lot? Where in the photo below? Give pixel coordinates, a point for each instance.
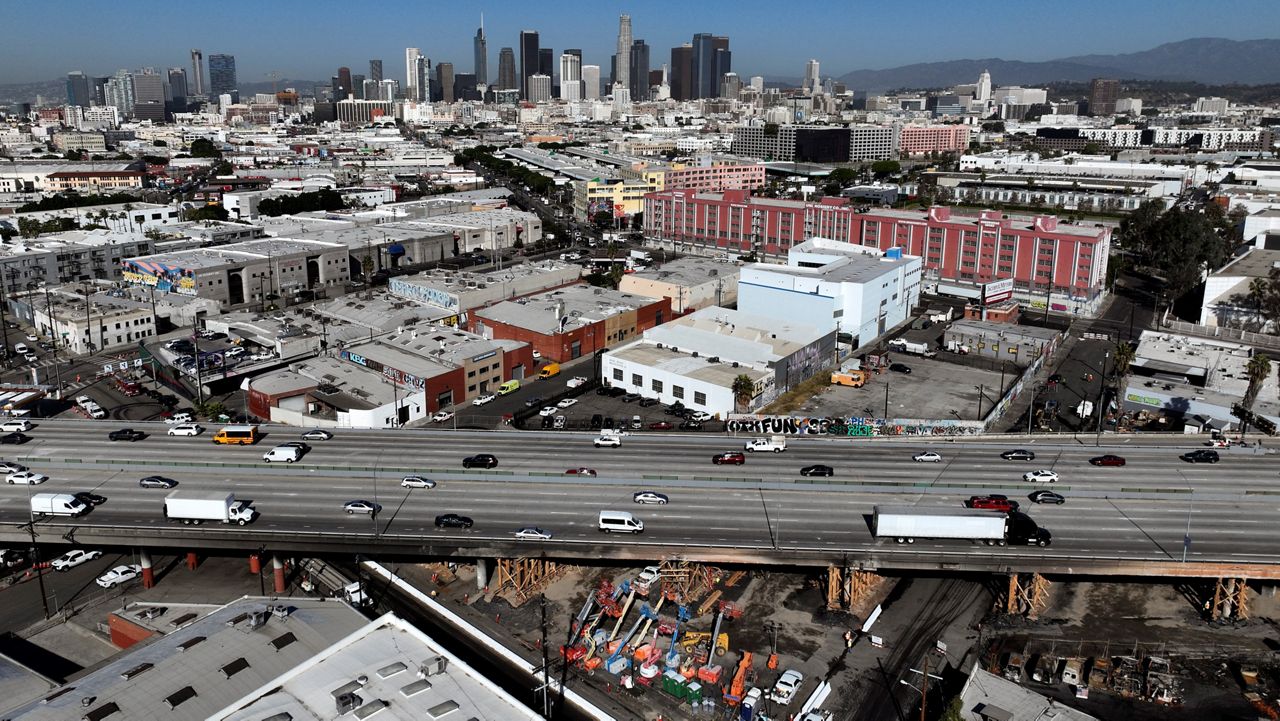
(616, 411)
(935, 388)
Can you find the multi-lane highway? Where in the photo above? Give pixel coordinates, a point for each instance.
(1129, 520)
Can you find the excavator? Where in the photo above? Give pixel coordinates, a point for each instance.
(733, 696)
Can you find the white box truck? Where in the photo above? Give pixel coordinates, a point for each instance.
(196, 507)
(905, 524)
(57, 504)
(905, 346)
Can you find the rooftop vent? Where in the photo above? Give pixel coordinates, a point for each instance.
(189, 643)
(280, 642)
(176, 698)
(432, 666)
(347, 702)
(136, 670)
(234, 667)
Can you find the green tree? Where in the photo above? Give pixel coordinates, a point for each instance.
(28, 227)
(204, 148)
(208, 212)
(885, 168)
(1264, 295)
(744, 389)
(602, 219)
(1258, 370)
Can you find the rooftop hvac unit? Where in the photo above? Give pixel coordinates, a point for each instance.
(281, 611)
(347, 702)
(695, 354)
(432, 666)
(257, 619)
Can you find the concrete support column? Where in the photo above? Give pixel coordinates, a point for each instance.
(255, 564)
(482, 573)
(193, 560)
(148, 575)
(277, 568)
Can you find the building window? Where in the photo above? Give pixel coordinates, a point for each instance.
(699, 398)
(637, 380)
(617, 374)
(677, 391)
(656, 385)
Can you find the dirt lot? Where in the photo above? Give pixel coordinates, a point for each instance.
(1109, 620)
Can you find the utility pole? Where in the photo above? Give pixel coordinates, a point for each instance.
(886, 400)
(1102, 397)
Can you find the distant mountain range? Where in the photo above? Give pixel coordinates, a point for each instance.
(1214, 61)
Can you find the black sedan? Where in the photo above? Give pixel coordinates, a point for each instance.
(1200, 456)
(817, 470)
(1018, 454)
(453, 520)
(15, 439)
(900, 368)
(126, 434)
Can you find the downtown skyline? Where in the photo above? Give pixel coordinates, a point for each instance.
(273, 38)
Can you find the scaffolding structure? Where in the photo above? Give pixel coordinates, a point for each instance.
(684, 582)
(847, 588)
(1028, 594)
(1230, 600)
(518, 579)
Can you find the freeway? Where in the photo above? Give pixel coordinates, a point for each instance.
(1135, 520)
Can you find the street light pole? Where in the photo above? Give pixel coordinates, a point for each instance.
(886, 400)
(1102, 397)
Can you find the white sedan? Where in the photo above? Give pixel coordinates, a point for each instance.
(548, 411)
(567, 403)
(927, 457)
(74, 558)
(119, 575)
(416, 482)
(482, 400)
(30, 478)
(1040, 476)
(186, 429)
(441, 416)
(533, 533)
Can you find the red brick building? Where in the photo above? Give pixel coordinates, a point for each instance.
(574, 321)
(1041, 255)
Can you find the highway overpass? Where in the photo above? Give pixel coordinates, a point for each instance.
(1157, 516)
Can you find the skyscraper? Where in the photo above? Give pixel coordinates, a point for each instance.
(197, 72)
(357, 87)
(481, 49)
(148, 96)
(983, 91)
(639, 70)
(721, 58)
(422, 75)
(375, 70)
(706, 81)
(812, 81)
(443, 91)
(539, 88)
(507, 69)
(119, 91)
(547, 64)
(528, 59)
(464, 87)
(682, 72)
(1102, 96)
(222, 76)
(411, 56)
(344, 87)
(177, 95)
(571, 76)
(622, 61)
(78, 90)
(590, 82)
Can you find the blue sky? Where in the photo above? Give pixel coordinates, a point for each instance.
(310, 40)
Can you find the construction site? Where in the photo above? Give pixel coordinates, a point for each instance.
(684, 640)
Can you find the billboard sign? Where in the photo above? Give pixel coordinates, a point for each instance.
(997, 291)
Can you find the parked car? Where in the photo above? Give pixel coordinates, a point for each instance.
(416, 482)
(661, 426)
(646, 402)
(480, 460)
(453, 520)
(817, 470)
(900, 368)
(484, 399)
(700, 416)
(784, 690)
(361, 506)
(649, 497)
(631, 397)
(927, 457)
(1109, 459)
(533, 402)
(119, 575)
(567, 403)
(441, 416)
(73, 558)
(548, 411)
(7, 467)
(1018, 454)
(690, 426)
(734, 458)
(1047, 497)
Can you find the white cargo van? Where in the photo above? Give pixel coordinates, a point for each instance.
(288, 454)
(57, 504)
(620, 522)
(15, 426)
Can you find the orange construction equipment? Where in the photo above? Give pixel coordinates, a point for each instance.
(739, 684)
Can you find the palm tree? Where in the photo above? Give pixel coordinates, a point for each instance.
(744, 390)
(1258, 368)
(1123, 359)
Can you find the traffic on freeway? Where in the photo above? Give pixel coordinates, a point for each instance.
(1141, 511)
